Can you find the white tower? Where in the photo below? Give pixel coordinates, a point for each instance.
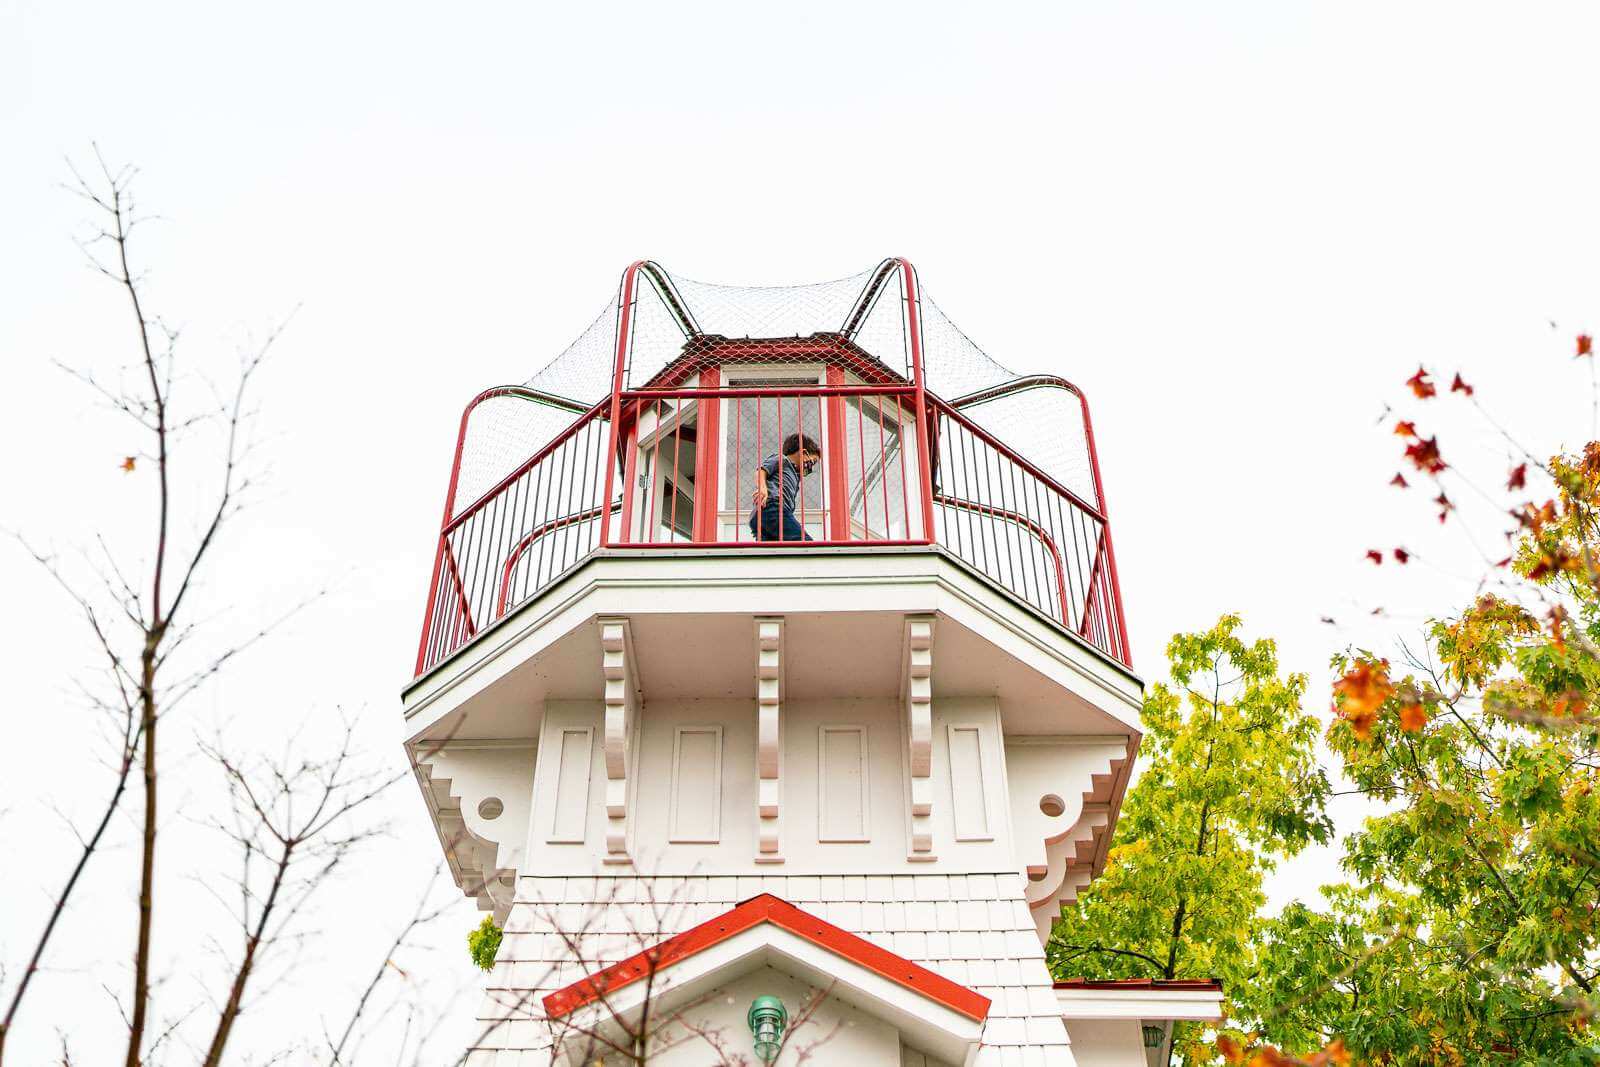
(735, 795)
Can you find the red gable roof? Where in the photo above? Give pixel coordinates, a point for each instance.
(767, 908)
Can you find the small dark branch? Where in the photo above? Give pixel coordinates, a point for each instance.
(422, 916)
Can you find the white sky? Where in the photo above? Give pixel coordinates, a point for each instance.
(1238, 226)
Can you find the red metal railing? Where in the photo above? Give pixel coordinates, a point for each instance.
(684, 470)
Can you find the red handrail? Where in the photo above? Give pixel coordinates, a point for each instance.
(527, 542)
(1021, 520)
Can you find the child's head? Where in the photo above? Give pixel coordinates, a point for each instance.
(802, 451)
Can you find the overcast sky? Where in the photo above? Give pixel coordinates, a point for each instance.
(1238, 226)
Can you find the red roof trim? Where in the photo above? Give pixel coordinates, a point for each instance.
(767, 908)
(713, 350)
(1141, 983)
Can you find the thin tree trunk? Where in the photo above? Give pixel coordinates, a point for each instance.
(147, 867)
(230, 1012)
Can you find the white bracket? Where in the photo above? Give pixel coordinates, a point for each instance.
(917, 692)
(769, 737)
(622, 701)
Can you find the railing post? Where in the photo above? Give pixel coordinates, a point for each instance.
(449, 508)
(624, 332)
(837, 460)
(1121, 642)
(708, 459)
(913, 299)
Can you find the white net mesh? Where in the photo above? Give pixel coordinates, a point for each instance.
(680, 327)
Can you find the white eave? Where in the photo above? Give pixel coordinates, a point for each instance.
(1187, 1002)
(821, 583)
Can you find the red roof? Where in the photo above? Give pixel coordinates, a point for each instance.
(1141, 983)
(767, 908)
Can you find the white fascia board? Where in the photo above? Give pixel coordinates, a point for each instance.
(935, 1028)
(1141, 1002)
(626, 581)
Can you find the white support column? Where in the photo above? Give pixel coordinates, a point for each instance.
(917, 692)
(622, 708)
(769, 737)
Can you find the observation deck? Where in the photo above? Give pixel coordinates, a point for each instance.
(644, 437)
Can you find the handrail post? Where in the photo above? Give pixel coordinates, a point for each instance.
(449, 507)
(1122, 652)
(624, 333)
(913, 299)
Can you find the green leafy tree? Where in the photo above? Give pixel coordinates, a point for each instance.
(1469, 931)
(1469, 928)
(484, 943)
(1229, 784)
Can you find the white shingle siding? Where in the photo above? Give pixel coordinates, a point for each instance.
(974, 929)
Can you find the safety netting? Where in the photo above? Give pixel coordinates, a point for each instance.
(677, 327)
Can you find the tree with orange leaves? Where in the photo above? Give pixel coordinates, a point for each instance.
(1468, 930)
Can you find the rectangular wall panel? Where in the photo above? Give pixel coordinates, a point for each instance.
(697, 785)
(570, 813)
(969, 787)
(842, 783)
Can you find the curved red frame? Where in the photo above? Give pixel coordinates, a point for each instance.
(1052, 381)
(445, 525)
(612, 409)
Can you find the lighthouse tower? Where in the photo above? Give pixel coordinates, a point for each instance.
(804, 789)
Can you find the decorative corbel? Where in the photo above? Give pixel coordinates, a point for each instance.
(622, 708)
(769, 740)
(917, 692)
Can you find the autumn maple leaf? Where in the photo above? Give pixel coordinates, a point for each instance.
(1572, 702)
(1360, 693)
(1585, 345)
(1420, 385)
(1425, 454)
(127, 464)
(1402, 556)
(1399, 481)
(1405, 428)
(1536, 518)
(1375, 556)
(1459, 386)
(1413, 717)
(1445, 507)
(1553, 561)
(1558, 637)
(1519, 476)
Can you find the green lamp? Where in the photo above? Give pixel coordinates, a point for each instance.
(768, 1019)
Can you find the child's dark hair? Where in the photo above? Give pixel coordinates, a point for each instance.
(796, 441)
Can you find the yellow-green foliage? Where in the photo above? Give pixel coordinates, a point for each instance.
(484, 943)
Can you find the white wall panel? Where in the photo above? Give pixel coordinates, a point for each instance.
(696, 785)
(842, 784)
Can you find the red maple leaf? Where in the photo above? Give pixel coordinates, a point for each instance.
(1420, 385)
(1536, 518)
(127, 464)
(1585, 345)
(1445, 507)
(1558, 616)
(1405, 428)
(1413, 717)
(1519, 476)
(1399, 481)
(1375, 556)
(1425, 454)
(1504, 563)
(1459, 386)
(1402, 556)
(1360, 693)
